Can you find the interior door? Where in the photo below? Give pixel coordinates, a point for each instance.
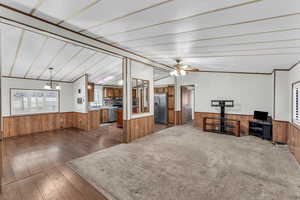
(186, 104)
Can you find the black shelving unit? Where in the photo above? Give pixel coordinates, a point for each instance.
(262, 129)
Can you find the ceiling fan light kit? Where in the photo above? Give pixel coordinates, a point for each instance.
(51, 85)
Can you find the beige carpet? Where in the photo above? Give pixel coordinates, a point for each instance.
(184, 163)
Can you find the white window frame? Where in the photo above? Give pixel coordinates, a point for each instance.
(296, 103)
(30, 112)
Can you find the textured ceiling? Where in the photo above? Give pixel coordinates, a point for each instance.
(227, 35)
(29, 55)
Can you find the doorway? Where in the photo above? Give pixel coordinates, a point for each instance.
(187, 103)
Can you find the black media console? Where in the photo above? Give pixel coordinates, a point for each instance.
(262, 129)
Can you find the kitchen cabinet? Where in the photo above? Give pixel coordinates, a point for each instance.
(113, 92)
(104, 118)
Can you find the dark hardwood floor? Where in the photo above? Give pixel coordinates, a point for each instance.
(34, 165)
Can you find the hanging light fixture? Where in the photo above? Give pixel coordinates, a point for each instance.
(177, 72)
(51, 85)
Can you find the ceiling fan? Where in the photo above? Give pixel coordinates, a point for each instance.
(181, 70)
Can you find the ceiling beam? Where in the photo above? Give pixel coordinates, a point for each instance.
(72, 57)
(211, 27)
(222, 56)
(77, 66)
(39, 4)
(215, 38)
(84, 71)
(37, 56)
(238, 50)
(184, 18)
(52, 60)
(78, 12)
(125, 16)
(17, 52)
(234, 44)
(24, 19)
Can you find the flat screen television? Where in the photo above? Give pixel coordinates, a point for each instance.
(259, 115)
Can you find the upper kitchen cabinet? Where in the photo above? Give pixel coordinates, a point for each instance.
(113, 92)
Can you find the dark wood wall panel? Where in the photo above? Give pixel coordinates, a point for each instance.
(138, 128)
(94, 119)
(244, 119)
(80, 121)
(24, 125)
(280, 131)
(28, 124)
(293, 140)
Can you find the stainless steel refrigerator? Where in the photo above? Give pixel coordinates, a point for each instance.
(160, 108)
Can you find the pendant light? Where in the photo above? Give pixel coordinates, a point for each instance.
(51, 85)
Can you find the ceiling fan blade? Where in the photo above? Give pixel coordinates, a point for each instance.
(193, 70)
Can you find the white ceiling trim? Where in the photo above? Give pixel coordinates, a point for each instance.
(37, 56)
(77, 66)
(217, 38)
(125, 16)
(231, 44)
(17, 52)
(222, 56)
(86, 69)
(182, 18)
(78, 12)
(53, 60)
(35, 23)
(210, 28)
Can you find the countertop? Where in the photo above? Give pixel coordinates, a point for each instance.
(102, 108)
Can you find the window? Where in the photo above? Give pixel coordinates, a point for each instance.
(140, 96)
(296, 91)
(25, 101)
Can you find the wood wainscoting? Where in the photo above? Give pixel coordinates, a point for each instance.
(280, 131)
(81, 121)
(244, 119)
(293, 140)
(138, 128)
(24, 125)
(28, 124)
(178, 118)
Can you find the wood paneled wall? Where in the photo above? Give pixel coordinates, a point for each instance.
(80, 121)
(93, 119)
(24, 125)
(293, 140)
(28, 124)
(138, 128)
(178, 118)
(280, 131)
(198, 122)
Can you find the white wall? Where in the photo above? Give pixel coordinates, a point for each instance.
(249, 91)
(66, 93)
(281, 98)
(141, 71)
(283, 93)
(80, 84)
(294, 76)
(165, 82)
